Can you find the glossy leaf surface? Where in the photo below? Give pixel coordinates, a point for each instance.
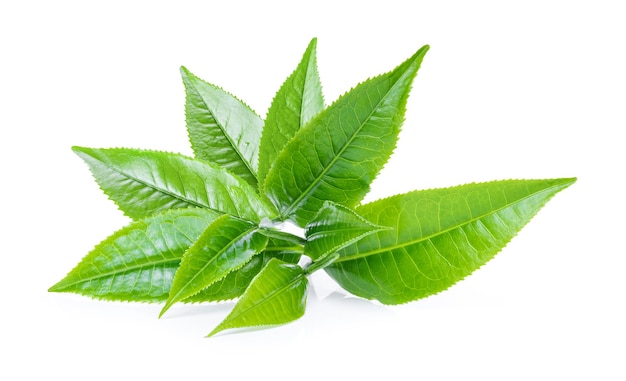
(338, 154)
(138, 262)
(440, 236)
(276, 296)
(222, 129)
(296, 102)
(235, 283)
(226, 245)
(335, 227)
(143, 183)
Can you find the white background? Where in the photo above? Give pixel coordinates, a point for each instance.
(528, 90)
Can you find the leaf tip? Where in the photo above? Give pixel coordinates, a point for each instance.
(184, 71)
(58, 287)
(79, 149)
(215, 331)
(166, 307)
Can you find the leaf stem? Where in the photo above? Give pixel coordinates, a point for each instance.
(321, 263)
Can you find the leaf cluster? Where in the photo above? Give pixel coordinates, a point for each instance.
(208, 228)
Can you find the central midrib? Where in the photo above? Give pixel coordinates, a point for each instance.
(423, 239)
(275, 292)
(220, 252)
(293, 205)
(124, 270)
(164, 191)
(228, 138)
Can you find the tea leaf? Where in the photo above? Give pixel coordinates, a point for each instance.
(338, 154)
(226, 245)
(296, 102)
(143, 183)
(335, 227)
(276, 296)
(235, 283)
(137, 263)
(222, 129)
(440, 236)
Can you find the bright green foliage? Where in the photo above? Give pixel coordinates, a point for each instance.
(222, 129)
(339, 153)
(440, 236)
(137, 263)
(276, 296)
(235, 283)
(143, 183)
(298, 100)
(226, 245)
(216, 227)
(335, 227)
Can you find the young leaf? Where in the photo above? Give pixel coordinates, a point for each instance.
(333, 228)
(235, 283)
(276, 296)
(143, 183)
(337, 155)
(138, 262)
(222, 129)
(296, 102)
(226, 245)
(440, 236)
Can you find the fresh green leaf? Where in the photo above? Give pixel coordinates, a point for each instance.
(222, 129)
(138, 262)
(226, 245)
(298, 100)
(283, 236)
(276, 296)
(235, 283)
(283, 249)
(338, 154)
(143, 183)
(335, 227)
(440, 236)
(213, 227)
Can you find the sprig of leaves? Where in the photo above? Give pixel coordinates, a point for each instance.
(208, 228)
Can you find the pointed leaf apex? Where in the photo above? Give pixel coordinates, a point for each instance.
(58, 287)
(78, 149)
(166, 307)
(215, 331)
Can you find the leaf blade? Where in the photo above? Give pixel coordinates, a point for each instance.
(143, 182)
(225, 246)
(137, 263)
(335, 227)
(235, 283)
(338, 154)
(296, 102)
(277, 295)
(440, 237)
(221, 128)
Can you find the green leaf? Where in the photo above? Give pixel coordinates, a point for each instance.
(276, 296)
(235, 283)
(226, 245)
(339, 153)
(440, 236)
(335, 227)
(138, 262)
(297, 101)
(143, 183)
(222, 129)
(283, 236)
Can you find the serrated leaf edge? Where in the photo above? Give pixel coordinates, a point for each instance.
(301, 276)
(186, 73)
